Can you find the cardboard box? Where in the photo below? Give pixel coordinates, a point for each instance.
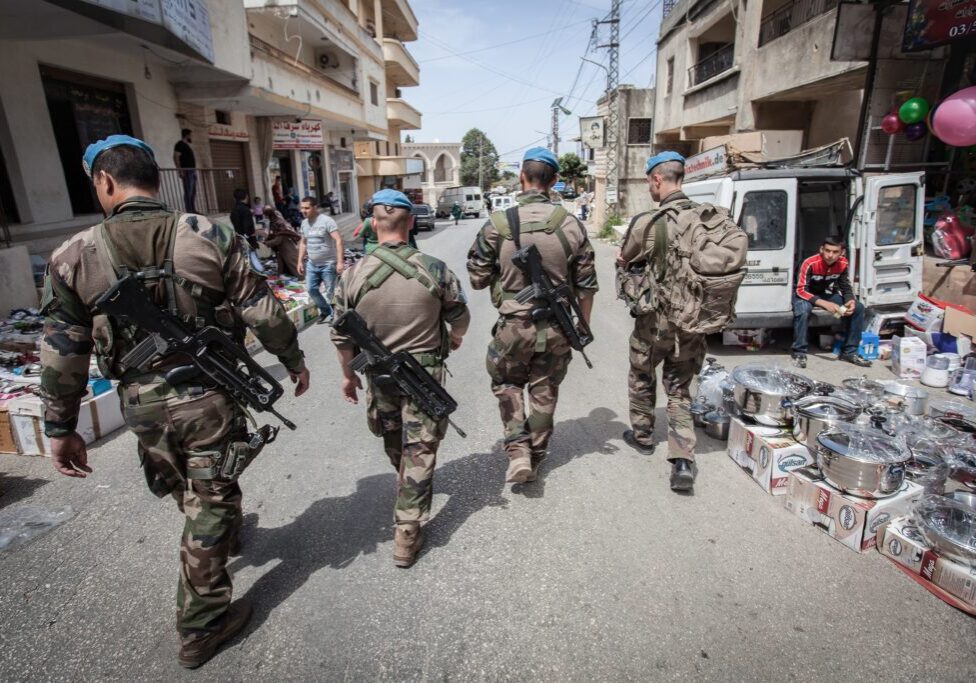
(752, 339)
(959, 322)
(98, 417)
(908, 357)
(7, 442)
(852, 521)
(926, 313)
(902, 543)
(769, 454)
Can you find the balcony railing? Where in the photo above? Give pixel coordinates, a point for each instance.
(206, 191)
(713, 65)
(794, 14)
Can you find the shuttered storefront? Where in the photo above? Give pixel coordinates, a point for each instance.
(230, 171)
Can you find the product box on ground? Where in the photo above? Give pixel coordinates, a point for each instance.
(908, 357)
(851, 520)
(959, 321)
(98, 417)
(768, 453)
(925, 313)
(7, 443)
(751, 339)
(902, 543)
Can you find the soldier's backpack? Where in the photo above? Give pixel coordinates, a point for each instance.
(634, 282)
(699, 269)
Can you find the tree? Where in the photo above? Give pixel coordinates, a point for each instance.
(478, 153)
(572, 169)
(409, 138)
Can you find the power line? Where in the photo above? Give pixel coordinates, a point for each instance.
(510, 42)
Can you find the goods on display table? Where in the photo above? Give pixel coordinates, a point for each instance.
(873, 464)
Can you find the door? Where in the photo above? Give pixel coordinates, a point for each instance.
(230, 172)
(766, 210)
(887, 236)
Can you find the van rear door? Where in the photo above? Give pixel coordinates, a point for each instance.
(887, 238)
(766, 210)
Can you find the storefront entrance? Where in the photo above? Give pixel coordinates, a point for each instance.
(230, 171)
(83, 110)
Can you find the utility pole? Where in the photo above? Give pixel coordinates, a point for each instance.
(613, 122)
(481, 155)
(554, 146)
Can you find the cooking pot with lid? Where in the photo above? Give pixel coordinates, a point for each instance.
(949, 526)
(911, 400)
(765, 394)
(862, 462)
(717, 425)
(813, 414)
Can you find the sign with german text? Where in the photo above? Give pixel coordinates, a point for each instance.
(932, 23)
(708, 162)
(304, 134)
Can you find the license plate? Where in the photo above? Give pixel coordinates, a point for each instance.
(767, 277)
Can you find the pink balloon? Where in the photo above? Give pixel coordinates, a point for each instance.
(954, 121)
(891, 124)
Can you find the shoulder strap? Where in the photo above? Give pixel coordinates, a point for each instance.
(107, 255)
(395, 261)
(659, 256)
(515, 223)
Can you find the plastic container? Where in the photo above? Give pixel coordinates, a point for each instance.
(868, 348)
(936, 372)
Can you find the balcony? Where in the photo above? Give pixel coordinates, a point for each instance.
(401, 115)
(399, 21)
(794, 14)
(381, 166)
(401, 68)
(718, 62)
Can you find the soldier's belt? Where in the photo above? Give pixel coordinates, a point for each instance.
(228, 464)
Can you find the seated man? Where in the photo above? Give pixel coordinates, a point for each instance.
(822, 282)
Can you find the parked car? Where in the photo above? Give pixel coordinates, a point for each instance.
(423, 217)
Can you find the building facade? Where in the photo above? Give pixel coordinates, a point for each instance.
(441, 167)
(268, 89)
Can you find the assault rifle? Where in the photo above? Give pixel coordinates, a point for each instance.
(211, 352)
(555, 303)
(398, 368)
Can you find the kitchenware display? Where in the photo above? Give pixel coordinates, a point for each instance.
(928, 469)
(862, 462)
(698, 411)
(765, 393)
(717, 425)
(868, 391)
(813, 414)
(960, 381)
(958, 409)
(962, 466)
(966, 429)
(710, 381)
(955, 360)
(964, 497)
(949, 526)
(911, 400)
(936, 372)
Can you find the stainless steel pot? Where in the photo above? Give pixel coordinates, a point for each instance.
(911, 400)
(928, 469)
(868, 391)
(962, 464)
(863, 463)
(765, 394)
(949, 526)
(813, 414)
(964, 497)
(717, 425)
(698, 412)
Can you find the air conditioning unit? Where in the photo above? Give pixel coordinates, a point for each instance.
(327, 60)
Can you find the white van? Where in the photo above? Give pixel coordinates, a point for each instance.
(468, 197)
(787, 212)
(501, 203)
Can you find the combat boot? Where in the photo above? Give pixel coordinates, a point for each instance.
(195, 652)
(536, 461)
(519, 470)
(407, 541)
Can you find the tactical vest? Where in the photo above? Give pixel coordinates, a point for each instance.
(396, 261)
(503, 229)
(118, 245)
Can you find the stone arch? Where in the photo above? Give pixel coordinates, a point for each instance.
(424, 176)
(444, 167)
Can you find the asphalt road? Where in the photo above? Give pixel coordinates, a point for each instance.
(595, 572)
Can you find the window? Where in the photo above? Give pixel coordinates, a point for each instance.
(477, 197)
(342, 142)
(222, 117)
(374, 93)
(764, 219)
(669, 83)
(896, 215)
(639, 132)
(469, 197)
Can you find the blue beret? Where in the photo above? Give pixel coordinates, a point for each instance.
(660, 159)
(541, 154)
(393, 198)
(96, 148)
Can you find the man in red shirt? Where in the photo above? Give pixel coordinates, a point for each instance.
(822, 282)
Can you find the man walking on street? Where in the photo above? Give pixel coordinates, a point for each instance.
(408, 300)
(822, 282)
(321, 256)
(186, 161)
(525, 354)
(654, 341)
(185, 427)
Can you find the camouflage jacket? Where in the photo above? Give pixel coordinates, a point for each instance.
(490, 257)
(207, 254)
(639, 240)
(402, 312)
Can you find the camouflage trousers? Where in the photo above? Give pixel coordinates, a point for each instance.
(647, 351)
(410, 439)
(171, 426)
(526, 356)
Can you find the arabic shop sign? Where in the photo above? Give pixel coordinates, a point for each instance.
(932, 23)
(304, 134)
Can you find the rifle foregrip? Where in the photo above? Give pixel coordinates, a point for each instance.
(359, 363)
(140, 356)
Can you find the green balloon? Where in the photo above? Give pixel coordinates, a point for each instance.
(914, 110)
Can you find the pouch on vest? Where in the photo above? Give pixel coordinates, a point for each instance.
(635, 284)
(228, 463)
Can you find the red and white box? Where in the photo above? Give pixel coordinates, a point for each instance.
(955, 583)
(851, 520)
(769, 454)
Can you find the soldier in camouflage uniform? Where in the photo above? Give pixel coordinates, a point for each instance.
(525, 354)
(408, 300)
(202, 272)
(653, 342)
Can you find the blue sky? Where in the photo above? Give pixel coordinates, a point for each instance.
(473, 73)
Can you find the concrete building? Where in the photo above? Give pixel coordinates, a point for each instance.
(729, 67)
(268, 88)
(636, 117)
(442, 167)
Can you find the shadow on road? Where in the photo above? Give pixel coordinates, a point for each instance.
(14, 488)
